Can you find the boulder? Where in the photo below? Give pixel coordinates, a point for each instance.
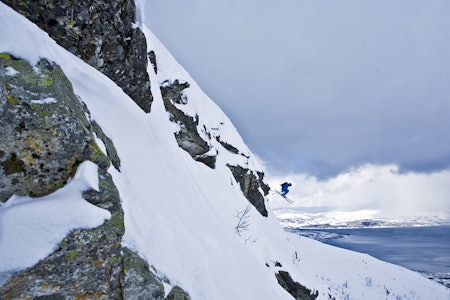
(44, 133)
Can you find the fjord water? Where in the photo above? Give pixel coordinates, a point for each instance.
(423, 249)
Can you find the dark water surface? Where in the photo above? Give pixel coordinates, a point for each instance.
(423, 249)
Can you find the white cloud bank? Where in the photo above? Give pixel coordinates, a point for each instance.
(367, 192)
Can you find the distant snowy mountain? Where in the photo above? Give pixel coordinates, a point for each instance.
(194, 205)
(369, 195)
(292, 218)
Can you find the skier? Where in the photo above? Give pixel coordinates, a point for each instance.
(285, 188)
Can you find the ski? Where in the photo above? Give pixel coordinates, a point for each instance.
(285, 197)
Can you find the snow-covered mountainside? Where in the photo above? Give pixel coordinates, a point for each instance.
(194, 216)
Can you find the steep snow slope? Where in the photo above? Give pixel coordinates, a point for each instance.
(181, 215)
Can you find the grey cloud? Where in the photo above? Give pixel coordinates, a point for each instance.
(321, 86)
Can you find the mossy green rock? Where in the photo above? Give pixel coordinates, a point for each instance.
(44, 133)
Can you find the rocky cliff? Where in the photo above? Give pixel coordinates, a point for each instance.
(46, 133)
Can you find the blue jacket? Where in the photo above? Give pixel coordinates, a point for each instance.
(285, 187)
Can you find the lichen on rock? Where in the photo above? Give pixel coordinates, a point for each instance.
(44, 133)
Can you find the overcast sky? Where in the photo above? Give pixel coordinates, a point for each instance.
(319, 86)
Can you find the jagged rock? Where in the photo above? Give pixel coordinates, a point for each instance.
(101, 33)
(227, 146)
(44, 134)
(138, 281)
(88, 263)
(294, 288)
(187, 137)
(251, 184)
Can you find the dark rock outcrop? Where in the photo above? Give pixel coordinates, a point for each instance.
(227, 146)
(44, 134)
(294, 288)
(251, 184)
(101, 33)
(187, 137)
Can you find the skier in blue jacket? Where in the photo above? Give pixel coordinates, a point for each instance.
(285, 188)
